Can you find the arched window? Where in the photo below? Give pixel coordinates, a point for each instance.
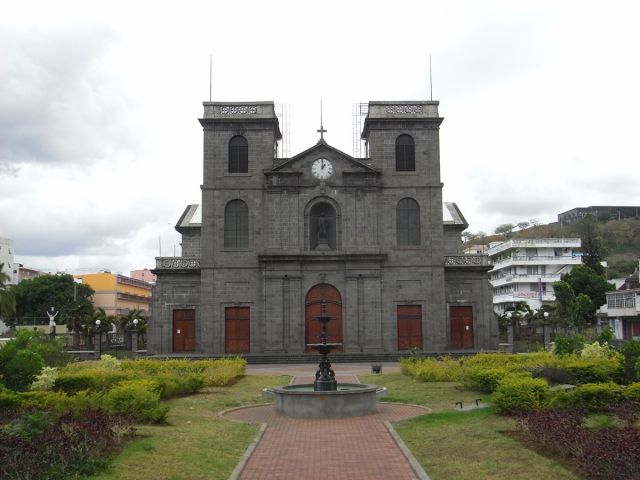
(236, 225)
(322, 232)
(238, 155)
(408, 222)
(405, 154)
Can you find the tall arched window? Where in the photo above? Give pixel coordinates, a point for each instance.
(408, 222)
(236, 224)
(238, 155)
(405, 154)
(322, 234)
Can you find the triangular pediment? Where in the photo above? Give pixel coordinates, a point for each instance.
(320, 150)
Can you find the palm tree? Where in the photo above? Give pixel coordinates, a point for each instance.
(128, 324)
(7, 298)
(77, 319)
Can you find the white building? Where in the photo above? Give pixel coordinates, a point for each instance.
(6, 257)
(525, 269)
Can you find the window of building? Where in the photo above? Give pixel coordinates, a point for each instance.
(408, 222)
(405, 154)
(238, 155)
(236, 225)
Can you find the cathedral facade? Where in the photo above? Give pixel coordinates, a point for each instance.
(274, 238)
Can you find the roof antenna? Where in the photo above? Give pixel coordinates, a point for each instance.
(210, 73)
(322, 131)
(430, 79)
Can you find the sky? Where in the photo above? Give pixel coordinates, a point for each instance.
(101, 150)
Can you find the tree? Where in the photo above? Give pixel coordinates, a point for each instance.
(504, 228)
(468, 236)
(584, 280)
(34, 297)
(7, 297)
(523, 225)
(592, 246)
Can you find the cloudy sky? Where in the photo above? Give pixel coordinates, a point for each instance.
(100, 148)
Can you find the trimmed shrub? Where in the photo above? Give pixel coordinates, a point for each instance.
(595, 370)
(592, 397)
(632, 392)
(443, 369)
(518, 393)
(631, 353)
(92, 380)
(138, 398)
(487, 379)
(173, 385)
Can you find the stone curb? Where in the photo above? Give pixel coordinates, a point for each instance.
(235, 475)
(415, 466)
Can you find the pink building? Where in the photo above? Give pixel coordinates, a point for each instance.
(144, 274)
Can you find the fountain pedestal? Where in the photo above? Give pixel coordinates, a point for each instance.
(325, 398)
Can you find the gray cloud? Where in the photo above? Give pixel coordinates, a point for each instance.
(59, 103)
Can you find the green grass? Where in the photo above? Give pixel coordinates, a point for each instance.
(196, 443)
(439, 396)
(454, 445)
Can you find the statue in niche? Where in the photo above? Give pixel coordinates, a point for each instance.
(323, 228)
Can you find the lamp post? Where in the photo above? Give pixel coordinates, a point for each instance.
(99, 339)
(134, 346)
(546, 331)
(509, 316)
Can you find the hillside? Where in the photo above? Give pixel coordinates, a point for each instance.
(620, 239)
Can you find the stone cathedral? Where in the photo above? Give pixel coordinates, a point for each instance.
(274, 238)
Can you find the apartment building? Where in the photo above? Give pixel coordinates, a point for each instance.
(118, 294)
(525, 269)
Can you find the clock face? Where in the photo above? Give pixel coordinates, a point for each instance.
(322, 168)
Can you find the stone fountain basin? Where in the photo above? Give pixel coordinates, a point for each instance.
(349, 400)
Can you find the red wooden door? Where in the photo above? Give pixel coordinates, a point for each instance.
(184, 330)
(461, 327)
(237, 330)
(313, 308)
(409, 327)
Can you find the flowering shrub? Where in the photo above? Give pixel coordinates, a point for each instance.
(597, 350)
(41, 446)
(45, 379)
(611, 453)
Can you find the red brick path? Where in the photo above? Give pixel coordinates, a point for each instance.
(359, 448)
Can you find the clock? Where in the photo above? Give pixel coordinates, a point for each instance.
(322, 169)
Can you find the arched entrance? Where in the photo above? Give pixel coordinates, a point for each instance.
(313, 302)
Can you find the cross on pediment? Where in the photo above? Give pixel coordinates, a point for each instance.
(322, 131)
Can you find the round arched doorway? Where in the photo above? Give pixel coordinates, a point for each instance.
(313, 307)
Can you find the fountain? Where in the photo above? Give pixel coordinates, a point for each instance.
(325, 398)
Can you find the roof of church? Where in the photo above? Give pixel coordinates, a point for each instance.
(190, 218)
(451, 215)
(322, 144)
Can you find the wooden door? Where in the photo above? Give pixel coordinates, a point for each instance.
(461, 326)
(237, 322)
(313, 308)
(409, 327)
(184, 330)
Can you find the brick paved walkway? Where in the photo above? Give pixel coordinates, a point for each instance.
(359, 448)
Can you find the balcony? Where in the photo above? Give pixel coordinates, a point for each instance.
(522, 296)
(525, 278)
(177, 263)
(536, 260)
(535, 243)
(466, 261)
(623, 304)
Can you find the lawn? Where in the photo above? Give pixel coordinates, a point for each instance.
(454, 445)
(451, 445)
(196, 443)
